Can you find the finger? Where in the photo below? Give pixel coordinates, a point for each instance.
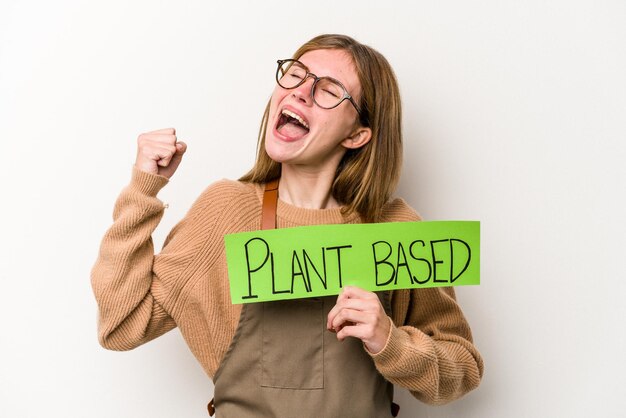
(353, 316)
(360, 331)
(161, 138)
(357, 304)
(165, 160)
(161, 154)
(181, 148)
(169, 131)
(350, 292)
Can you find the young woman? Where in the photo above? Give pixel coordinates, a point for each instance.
(330, 150)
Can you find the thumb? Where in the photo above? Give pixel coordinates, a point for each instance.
(181, 147)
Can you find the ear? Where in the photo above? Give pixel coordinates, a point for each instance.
(358, 138)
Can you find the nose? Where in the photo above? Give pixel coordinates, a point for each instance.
(304, 92)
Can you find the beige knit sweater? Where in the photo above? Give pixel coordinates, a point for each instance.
(142, 295)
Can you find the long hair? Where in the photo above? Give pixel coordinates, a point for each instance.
(366, 177)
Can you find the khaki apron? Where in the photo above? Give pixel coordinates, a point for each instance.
(283, 362)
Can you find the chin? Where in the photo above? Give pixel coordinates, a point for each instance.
(274, 152)
(280, 151)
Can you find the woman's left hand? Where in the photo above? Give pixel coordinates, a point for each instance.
(359, 313)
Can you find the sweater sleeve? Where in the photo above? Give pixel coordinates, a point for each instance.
(432, 353)
(429, 349)
(132, 285)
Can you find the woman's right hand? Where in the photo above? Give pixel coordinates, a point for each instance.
(158, 152)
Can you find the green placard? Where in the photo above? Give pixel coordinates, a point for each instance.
(310, 261)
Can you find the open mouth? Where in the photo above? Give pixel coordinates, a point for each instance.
(291, 125)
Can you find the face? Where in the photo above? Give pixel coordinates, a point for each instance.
(320, 137)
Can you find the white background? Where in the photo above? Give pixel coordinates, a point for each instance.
(514, 115)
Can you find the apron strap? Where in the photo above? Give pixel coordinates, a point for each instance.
(270, 201)
(268, 221)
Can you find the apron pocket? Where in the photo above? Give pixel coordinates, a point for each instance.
(292, 354)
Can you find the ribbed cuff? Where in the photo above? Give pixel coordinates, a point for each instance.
(147, 183)
(397, 342)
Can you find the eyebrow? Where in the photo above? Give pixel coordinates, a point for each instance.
(306, 67)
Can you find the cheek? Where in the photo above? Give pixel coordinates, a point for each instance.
(273, 103)
(341, 125)
(277, 96)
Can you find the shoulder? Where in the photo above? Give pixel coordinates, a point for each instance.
(224, 190)
(227, 196)
(398, 210)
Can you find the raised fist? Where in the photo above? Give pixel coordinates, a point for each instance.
(158, 152)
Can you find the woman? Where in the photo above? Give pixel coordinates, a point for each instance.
(330, 146)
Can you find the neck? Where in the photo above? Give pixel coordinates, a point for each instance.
(306, 188)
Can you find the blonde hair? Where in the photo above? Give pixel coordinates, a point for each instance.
(366, 177)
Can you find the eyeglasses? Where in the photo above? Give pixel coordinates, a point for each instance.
(326, 92)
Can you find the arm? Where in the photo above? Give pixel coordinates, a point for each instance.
(128, 280)
(429, 349)
(426, 347)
